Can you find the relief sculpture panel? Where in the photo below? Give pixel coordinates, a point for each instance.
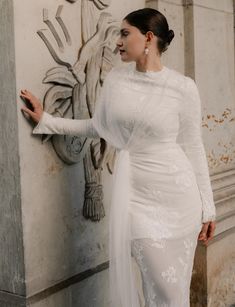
(75, 86)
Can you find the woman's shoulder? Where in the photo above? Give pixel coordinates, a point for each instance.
(184, 82)
(177, 75)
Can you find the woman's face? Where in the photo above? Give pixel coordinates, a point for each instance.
(131, 42)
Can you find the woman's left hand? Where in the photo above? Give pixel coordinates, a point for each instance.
(207, 232)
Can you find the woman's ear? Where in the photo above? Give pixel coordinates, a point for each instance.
(149, 36)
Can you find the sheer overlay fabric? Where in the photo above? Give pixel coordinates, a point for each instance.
(161, 185)
(166, 270)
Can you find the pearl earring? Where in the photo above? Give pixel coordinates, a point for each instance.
(146, 50)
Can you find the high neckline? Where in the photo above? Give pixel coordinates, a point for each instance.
(150, 72)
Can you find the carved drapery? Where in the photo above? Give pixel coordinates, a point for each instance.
(75, 88)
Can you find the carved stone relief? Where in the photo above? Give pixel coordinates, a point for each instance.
(75, 88)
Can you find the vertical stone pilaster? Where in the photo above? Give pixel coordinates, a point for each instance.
(12, 284)
(189, 48)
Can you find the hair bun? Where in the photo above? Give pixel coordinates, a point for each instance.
(170, 36)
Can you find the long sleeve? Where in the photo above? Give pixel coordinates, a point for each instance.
(49, 124)
(190, 139)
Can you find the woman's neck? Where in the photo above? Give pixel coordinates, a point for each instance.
(149, 63)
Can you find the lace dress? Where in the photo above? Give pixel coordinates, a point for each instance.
(161, 185)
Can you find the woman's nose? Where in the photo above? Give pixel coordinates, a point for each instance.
(119, 43)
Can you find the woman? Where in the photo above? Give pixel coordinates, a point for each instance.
(162, 200)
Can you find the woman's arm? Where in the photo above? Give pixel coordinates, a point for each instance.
(48, 124)
(190, 139)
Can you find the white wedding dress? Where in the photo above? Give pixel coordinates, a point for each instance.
(161, 185)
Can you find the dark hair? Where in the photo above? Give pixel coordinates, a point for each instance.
(148, 19)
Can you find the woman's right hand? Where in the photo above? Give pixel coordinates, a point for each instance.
(36, 107)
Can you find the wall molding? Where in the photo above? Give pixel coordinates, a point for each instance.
(66, 283)
(223, 185)
(12, 299)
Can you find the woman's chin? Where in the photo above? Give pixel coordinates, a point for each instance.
(125, 58)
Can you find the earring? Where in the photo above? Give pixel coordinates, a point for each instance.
(146, 50)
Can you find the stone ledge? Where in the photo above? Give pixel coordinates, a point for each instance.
(8, 299)
(220, 236)
(66, 283)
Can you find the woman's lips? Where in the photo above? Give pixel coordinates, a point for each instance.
(121, 51)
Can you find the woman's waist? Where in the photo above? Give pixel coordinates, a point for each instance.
(168, 160)
(154, 148)
(162, 152)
